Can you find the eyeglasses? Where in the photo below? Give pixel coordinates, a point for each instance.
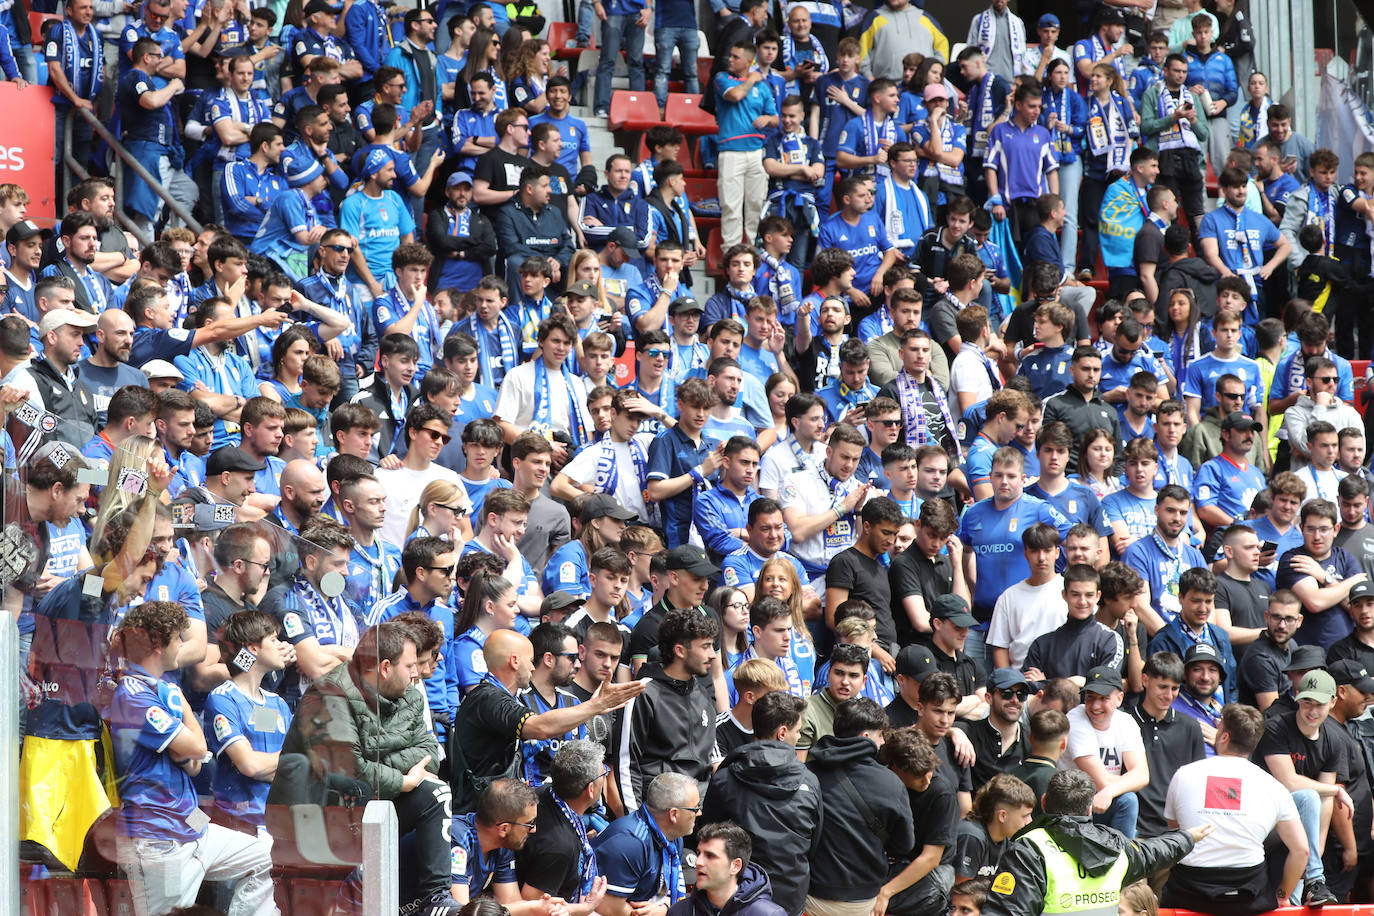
(428, 22)
(655, 353)
(605, 771)
(341, 249)
(736, 605)
(257, 563)
(529, 826)
(456, 510)
(436, 435)
(1325, 378)
(694, 809)
(1019, 693)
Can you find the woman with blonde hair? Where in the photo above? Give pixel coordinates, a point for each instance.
(437, 513)
(778, 579)
(585, 267)
(134, 453)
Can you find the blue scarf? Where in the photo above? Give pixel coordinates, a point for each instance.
(71, 61)
(983, 117)
(586, 861)
(495, 357)
(608, 469)
(1108, 133)
(670, 883)
(331, 611)
(543, 416)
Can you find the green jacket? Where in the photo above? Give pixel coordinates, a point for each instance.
(361, 734)
(1152, 124)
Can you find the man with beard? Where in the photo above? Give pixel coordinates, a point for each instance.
(63, 391)
(1359, 645)
(926, 418)
(1261, 674)
(463, 239)
(555, 651)
(373, 562)
(671, 727)
(1200, 696)
(96, 197)
(555, 858)
(999, 742)
(80, 244)
(107, 369)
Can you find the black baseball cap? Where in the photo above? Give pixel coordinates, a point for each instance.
(684, 304)
(691, 559)
(1003, 678)
(953, 609)
(604, 505)
(1202, 652)
(26, 229)
(1349, 671)
(559, 600)
(1237, 420)
(1103, 680)
(231, 458)
(915, 661)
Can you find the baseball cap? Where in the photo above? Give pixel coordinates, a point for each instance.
(1103, 680)
(58, 318)
(303, 171)
(1237, 420)
(1317, 686)
(560, 600)
(1048, 21)
(1362, 590)
(625, 237)
(604, 505)
(1202, 652)
(231, 458)
(683, 304)
(1109, 15)
(25, 229)
(322, 6)
(915, 661)
(1003, 678)
(1305, 658)
(582, 288)
(953, 609)
(692, 560)
(458, 178)
(1349, 671)
(160, 368)
(934, 91)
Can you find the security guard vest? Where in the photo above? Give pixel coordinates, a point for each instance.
(1068, 886)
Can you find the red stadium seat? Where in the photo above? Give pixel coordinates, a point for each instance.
(685, 113)
(561, 38)
(120, 897)
(631, 110)
(77, 897)
(714, 254)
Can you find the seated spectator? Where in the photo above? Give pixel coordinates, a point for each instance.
(640, 854)
(1192, 625)
(1105, 744)
(1171, 738)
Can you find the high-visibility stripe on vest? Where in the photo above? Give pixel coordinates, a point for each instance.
(1068, 886)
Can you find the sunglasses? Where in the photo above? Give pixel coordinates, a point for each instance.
(890, 424)
(341, 249)
(656, 353)
(1019, 693)
(435, 435)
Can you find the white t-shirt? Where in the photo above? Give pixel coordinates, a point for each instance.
(781, 460)
(629, 490)
(1024, 612)
(515, 403)
(1111, 746)
(403, 488)
(1320, 484)
(1242, 800)
(968, 373)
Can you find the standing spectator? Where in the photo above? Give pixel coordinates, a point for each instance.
(1020, 163)
(987, 98)
(496, 173)
(622, 27)
(1171, 739)
(1210, 68)
(675, 27)
(1001, 36)
(75, 52)
(1104, 46)
(1171, 124)
(249, 184)
(1234, 241)
(1161, 558)
(894, 30)
(1256, 804)
(745, 110)
(529, 226)
(422, 97)
(149, 133)
(855, 228)
(368, 33)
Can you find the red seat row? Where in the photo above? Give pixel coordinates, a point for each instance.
(92, 897)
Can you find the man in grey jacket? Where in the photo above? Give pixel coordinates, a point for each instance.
(894, 30)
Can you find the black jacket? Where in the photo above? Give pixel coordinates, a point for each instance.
(378, 398)
(75, 405)
(1193, 273)
(477, 246)
(851, 864)
(752, 899)
(765, 789)
(1019, 888)
(669, 728)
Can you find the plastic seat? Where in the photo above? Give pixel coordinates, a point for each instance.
(562, 39)
(714, 253)
(39, 23)
(310, 897)
(684, 112)
(632, 110)
(701, 188)
(35, 898)
(77, 897)
(120, 898)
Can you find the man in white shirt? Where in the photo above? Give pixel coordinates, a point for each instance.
(544, 396)
(803, 448)
(1245, 803)
(1321, 476)
(819, 504)
(973, 375)
(1032, 606)
(426, 435)
(617, 464)
(1105, 743)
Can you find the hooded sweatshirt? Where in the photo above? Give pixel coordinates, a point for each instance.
(765, 789)
(851, 863)
(753, 898)
(669, 728)
(1019, 887)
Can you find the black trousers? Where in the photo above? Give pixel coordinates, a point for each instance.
(1179, 171)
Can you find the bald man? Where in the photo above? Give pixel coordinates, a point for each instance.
(491, 722)
(108, 370)
(303, 491)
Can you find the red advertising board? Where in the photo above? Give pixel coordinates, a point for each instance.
(26, 147)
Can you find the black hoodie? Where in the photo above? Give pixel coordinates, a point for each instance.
(669, 728)
(751, 899)
(851, 863)
(1019, 888)
(765, 789)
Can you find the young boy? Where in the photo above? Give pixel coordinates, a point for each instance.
(482, 443)
(1047, 364)
(741, 265)
(1170, 425)
(968, 896)
(854, 625)
(532, 306)
(1151, 68)
(1122, 590)
(781, 254)
(763, 339)
(996, 276)
(1144, 313)
(1135, 412)
(830, 114)
(1131, 512)
(1318, 274)
(973, 376)
(320, 382)
(496, 335)
(1200, 381)
(767, 47)
(300, 438)
(899, 464)
(598, 359)
(665, 143)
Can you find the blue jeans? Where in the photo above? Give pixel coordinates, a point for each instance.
(687, 42)
(619, 32)
(586, 18)
(976, 645)
(1121, 814)
(1070, 178)
(1309, 805)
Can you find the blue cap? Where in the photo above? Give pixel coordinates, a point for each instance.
(458, 178)
(303, 171)
(1048, 21)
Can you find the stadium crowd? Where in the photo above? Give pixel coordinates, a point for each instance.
(647, 577)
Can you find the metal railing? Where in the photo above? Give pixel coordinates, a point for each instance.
(123, 159)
